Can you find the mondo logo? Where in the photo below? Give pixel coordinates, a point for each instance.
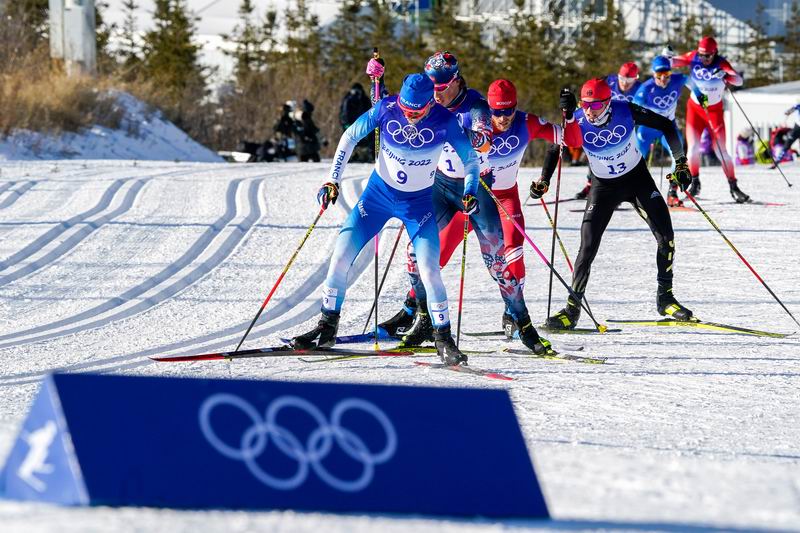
(266, 436)
(503, 146)
(409, 133)
(666, 101)
(606, 137)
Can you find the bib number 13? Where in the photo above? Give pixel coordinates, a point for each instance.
(620, 168)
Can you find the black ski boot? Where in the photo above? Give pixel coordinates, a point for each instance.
(447, 349)
(669, 306)
(530, 337)
(509, 326)
(322, 336)
(567, 318)
(421, 331)
(403, 320)
(738, 195)
(694, 187)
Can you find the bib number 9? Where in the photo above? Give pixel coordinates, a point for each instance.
(402, 177)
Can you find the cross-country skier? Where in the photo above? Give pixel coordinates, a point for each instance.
(792, 136)
(711, 74)
(512, 131)
(621, 175)
(624, 85)
(472, 111)
(413, 131)
(661, 94)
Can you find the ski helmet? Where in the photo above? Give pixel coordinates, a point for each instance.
(661, 64)
(596, 89)
(502, 94)
(442, 68)
(707, 46)
(416, 93)
(629, 70)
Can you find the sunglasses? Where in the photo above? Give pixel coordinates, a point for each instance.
(626, 79)
(705, 56)
(413, 114)
(441, 87)
(595, 105)
(663, 74)
(504, 112)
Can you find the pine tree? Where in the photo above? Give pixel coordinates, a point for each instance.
(128, 50)
(303, 42)
(106, 62)
(251, 41)
(347, 46)
(791, 44)
(602, 46)
(758, 59)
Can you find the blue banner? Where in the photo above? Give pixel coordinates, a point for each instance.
(187, 443)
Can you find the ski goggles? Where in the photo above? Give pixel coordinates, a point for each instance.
(507, 112)
(413, 114)
(594, 105)
(441, 87)
(627, 80)
(706, 56)
(663, 74)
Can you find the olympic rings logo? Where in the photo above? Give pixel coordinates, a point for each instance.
(702, 73)
(604, 137)
(409, 134)
(665, 102)
(501, 146)
(619, 97)
(256, 439)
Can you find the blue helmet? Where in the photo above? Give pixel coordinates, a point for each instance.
(661, 63)
(416, 92)
(442, 68)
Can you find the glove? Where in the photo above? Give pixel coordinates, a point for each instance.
(703, 98)
(681, 176)
(328, 194)
(470, 204)
(667, 51)
(567, 102)
(374, 68)
(488, 178)
(539, 188)
(719, 74)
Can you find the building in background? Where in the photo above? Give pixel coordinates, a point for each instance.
(72, 35)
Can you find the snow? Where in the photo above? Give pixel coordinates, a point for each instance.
(144, 134)
(106, 262)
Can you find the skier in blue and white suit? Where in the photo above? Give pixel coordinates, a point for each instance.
(413, 131)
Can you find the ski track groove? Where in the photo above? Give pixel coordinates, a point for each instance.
(16, 194)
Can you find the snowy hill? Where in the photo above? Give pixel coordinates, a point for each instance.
(104, 264)
(143, 135)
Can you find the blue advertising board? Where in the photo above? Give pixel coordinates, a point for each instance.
(230, 444)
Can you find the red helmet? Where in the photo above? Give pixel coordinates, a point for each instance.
(629, 70)
(707, 45)
(502, 94)
(596, 89)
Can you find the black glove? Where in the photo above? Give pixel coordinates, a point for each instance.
(470, 204)
(567, 102)
(681, 176)
(538, 188)
(488, 178)
(328, 194)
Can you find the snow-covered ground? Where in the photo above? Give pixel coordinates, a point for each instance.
(144, 134)
(107, 262)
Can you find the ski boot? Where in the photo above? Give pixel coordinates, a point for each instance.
(447, 349)
(403, 320)
(420, 331)
(738, 195)
(673, 200)
(530, 337)
(509, 326)
(322, 336)
(694, 187)
(669, 306)
(567, 318)
(583, 193)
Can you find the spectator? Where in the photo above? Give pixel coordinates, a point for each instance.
(284, 132)
(745, 152)
(307, 135)
(354, 104)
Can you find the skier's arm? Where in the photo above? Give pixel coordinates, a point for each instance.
(731, 76)
(683, 59)
(539, 128)
(651, 119)
(689, 83)
(480, 134)
(463, 147)
(640, 96)
(550, 163)
(363, 125)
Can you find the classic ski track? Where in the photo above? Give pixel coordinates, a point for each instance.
(228, 337)
(12, 195)
(203, 246)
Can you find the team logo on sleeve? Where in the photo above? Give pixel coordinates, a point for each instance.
(666, 101)
(503, 146)
(605, 137)
(409, 133)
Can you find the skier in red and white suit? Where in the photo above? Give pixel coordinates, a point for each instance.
(711, 73)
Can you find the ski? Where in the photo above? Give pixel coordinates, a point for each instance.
(553, 202)
(355, 339)
(576, 331)
(697, 323)
(557, 355)
(392, 352)
(272, 351)
(465, 370)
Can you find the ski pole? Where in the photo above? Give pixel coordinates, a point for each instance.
(376, 87)
(383, 279)
(555, 223)
(600, 327)
(729, 243)
(560, 243)
(280, 278)
(769, 150)
(463, 271)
